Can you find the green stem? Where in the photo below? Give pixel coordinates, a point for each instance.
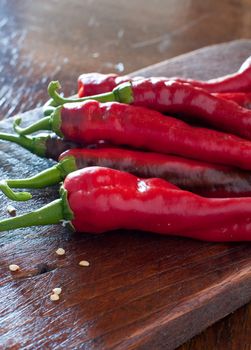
(60, 100)
(42, 124)
(47, 215)
(36, 145)
(15, 196)
(50, 103)
(48, 110)
(48, 177)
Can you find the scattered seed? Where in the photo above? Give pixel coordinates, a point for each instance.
(57, 290)
(11, 210)
(60, 251)
(14, 267)
(54, 297)
(84, 263)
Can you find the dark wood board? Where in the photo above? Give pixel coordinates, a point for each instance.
(140, 291)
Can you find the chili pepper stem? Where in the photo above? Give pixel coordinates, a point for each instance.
(47, 215)
(50, 103)
(42, 124)
(48, 177)
(122, 93)
(48, 110)
(53, 122)
(15, 196)
(35, 145)
(51, 213)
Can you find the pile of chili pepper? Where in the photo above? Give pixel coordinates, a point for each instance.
(165, 155)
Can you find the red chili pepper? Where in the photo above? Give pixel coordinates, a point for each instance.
(236, 82)
(184, 99)
(96, 200)
(96, 83)
(138, 127)
(175, 98)
(199, 177)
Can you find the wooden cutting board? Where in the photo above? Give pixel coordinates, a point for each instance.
(141, 290)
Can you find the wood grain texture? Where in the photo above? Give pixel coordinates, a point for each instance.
(141, 291)
(230, 333)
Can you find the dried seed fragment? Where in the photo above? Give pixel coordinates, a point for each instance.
(14, 267)
(54, 297)
(57, 290)
(60, 251)
(84, 263)
(11, 210)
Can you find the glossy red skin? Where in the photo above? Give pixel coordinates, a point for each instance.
(243, 99)
(236, 82)
(96, 83)
(142, 128)
(176, 98)
(202, 178)
(103, 199)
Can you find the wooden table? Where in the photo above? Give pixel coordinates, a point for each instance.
(41, 41)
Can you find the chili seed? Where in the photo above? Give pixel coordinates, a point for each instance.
(57, 290)
(11, 210)
(84, 263)
(60, 251)
(14, 267)
(54, 297)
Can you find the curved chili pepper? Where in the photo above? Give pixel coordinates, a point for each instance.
(97, 83)
(49, 146)
(139, 127)
(97, 200)
(175, 98)
(199, 177)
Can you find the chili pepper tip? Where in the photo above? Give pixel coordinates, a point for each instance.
(15, 196)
